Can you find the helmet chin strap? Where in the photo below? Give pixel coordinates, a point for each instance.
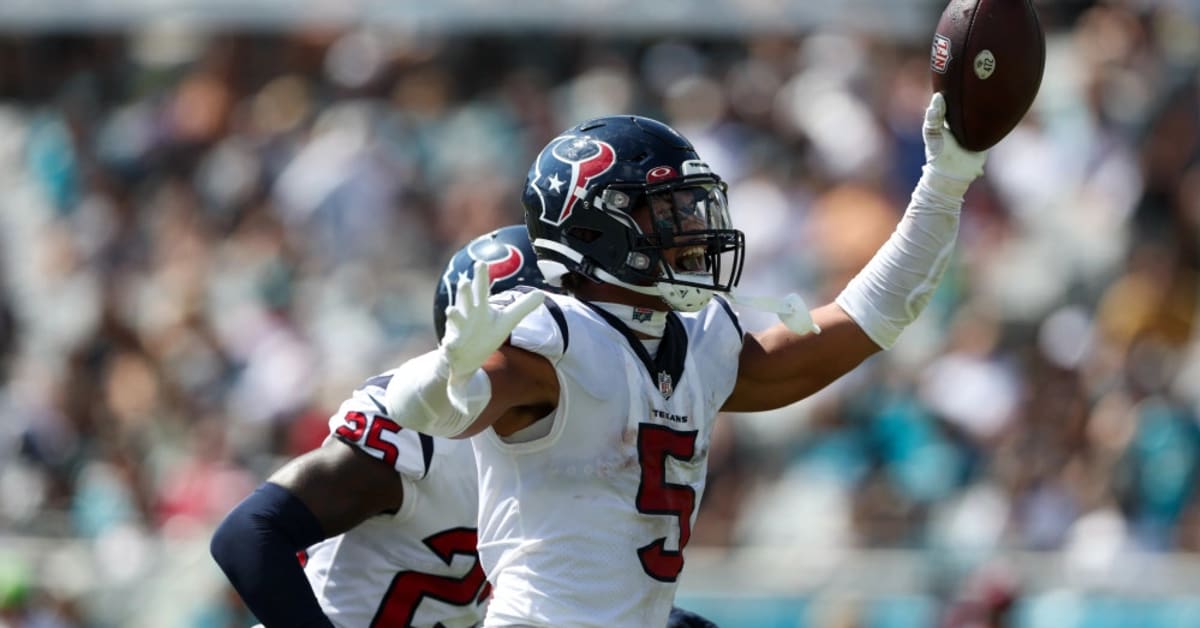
(685, 298)
(607, 277)
(680, 298)
(791, 309)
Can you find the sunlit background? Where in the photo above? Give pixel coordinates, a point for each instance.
(217, 218)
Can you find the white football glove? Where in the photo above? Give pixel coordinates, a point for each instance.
(954, 166)
(476, 328)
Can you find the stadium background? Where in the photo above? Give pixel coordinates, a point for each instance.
(217, 218)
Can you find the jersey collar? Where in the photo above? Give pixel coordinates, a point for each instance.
(666, 366)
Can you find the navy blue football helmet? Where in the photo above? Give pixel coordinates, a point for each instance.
(511, 263)
(584, 188)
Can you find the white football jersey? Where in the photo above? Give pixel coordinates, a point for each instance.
(418, 567)
(586, 524)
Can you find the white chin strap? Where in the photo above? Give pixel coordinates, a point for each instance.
(685, 298)
(791, 309)
(680, 298)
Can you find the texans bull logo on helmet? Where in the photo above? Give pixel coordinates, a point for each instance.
(503, 261)
(562, 173)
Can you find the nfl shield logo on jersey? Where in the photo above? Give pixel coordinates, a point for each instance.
(642, 314)
(665, 385)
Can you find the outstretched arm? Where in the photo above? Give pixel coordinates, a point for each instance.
(778, 367)
(474, 379)
(320, 494)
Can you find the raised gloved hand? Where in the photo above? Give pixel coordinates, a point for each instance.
(892, 289)
(954, 167)
(476, 328)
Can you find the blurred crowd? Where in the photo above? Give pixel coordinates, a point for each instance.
(208, 239)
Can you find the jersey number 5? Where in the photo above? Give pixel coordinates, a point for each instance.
(656, 496)
(408, 588)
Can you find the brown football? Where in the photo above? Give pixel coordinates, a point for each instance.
(987, 60)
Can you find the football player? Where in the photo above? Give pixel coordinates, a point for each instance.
(591, 412)
(381, 518)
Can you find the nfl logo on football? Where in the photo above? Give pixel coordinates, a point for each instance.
(939, 57)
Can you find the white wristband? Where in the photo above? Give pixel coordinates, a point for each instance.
(421, 396)
(894, 287)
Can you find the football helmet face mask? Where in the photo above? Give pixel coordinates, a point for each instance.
(626, 200)
(511, 263)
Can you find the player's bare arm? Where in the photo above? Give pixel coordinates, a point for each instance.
(256, 546)
(778, 366)
(342, 485)
(524, 390)
(318, 495)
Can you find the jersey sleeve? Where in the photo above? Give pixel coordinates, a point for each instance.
(720, 315)
(362, 421)
(544, 331)
(717, 335)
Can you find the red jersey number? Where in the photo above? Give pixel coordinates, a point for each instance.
(656, 496)
(356, 425)
(408, 588)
